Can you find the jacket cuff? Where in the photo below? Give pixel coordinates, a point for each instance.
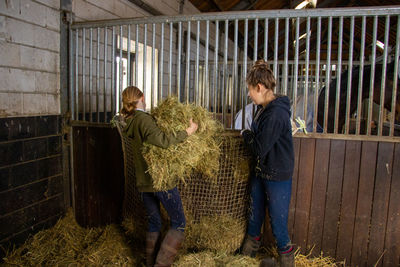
(181, 135)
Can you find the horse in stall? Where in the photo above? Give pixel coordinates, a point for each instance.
(389, 83)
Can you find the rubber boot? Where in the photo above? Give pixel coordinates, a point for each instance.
(285, 260)
(152, 239)
(250, 246)
(169, 248)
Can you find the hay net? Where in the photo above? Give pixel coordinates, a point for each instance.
(216, 208)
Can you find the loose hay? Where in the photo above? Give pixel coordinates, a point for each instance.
(221, 259)
(215, 259)
(216, 233)
(199, 151)
(67, 243)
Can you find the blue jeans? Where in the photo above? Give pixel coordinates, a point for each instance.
(275, 195)
(171, 200)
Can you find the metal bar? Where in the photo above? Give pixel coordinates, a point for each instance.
(90, 73)
(285, 68)
(383, 80)
(316, 90)
(161, 67)
(338, 71)
(349, 77)
(84, 74)
(137, 56)
(327, 75)
(196, 85)
(170, 60)
(296, 65)
(360, 76)
(244, 70)
(153, 67)
(71, 75)
(145, 60)
(266, 40)
(216, 65)
(307, 69)
(253, 14)
(119, 90)
(371, 84)
(395, 78)
(206, 65)
(105, 75)
(187, 63)
(178, 63)
(129, 57)
(76, 104)
(235, 72)
(113, 82)
(255, 40)
(224, 73)
(98, 75)
(276, 53)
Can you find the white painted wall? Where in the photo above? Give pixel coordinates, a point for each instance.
(29, 57)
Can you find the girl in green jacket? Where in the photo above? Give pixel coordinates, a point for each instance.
(141, 127)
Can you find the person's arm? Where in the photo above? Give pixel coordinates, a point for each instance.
(262, 142)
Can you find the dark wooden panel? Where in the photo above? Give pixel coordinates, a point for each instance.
(292, 208)
(333, 197)
(317, 210)
(392, 240)
(349, 200)
(364, 203)
(99, 175)
(380, 205)
(303, 197)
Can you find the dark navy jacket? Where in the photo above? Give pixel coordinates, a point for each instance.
(270, 140)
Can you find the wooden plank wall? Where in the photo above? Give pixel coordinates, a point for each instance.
(346, 200)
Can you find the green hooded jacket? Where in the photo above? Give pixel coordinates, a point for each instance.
(142, 128)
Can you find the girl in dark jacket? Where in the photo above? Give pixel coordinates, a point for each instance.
(270, 141)
(141, 127)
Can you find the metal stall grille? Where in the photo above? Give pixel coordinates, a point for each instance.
(339, 66)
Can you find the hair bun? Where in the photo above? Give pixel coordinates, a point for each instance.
(261, 63)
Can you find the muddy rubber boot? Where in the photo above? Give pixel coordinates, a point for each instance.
(287, 259)
(268, 262)
(250, 246)
(152, 239)
(169, 248)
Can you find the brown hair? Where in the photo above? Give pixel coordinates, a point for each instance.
(130, 98)
(261, 73)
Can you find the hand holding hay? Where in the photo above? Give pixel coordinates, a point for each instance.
(198, 151)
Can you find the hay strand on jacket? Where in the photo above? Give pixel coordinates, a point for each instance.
(199, 151)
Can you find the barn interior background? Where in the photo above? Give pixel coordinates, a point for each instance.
(58, 150)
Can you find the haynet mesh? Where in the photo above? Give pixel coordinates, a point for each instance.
(216, 208)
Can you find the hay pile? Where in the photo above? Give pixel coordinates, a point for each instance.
(68, 244)
(199, 151)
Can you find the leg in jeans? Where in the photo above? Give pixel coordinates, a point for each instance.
(172, 242)
(152, 205)
(171, 200)
(279, 193)
(257, 206)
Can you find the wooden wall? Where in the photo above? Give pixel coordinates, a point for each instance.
(345, 196)
(346, 200)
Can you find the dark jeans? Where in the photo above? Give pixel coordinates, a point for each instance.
(171, 200)
(275, 195)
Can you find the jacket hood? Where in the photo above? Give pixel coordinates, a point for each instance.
(282, 102)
